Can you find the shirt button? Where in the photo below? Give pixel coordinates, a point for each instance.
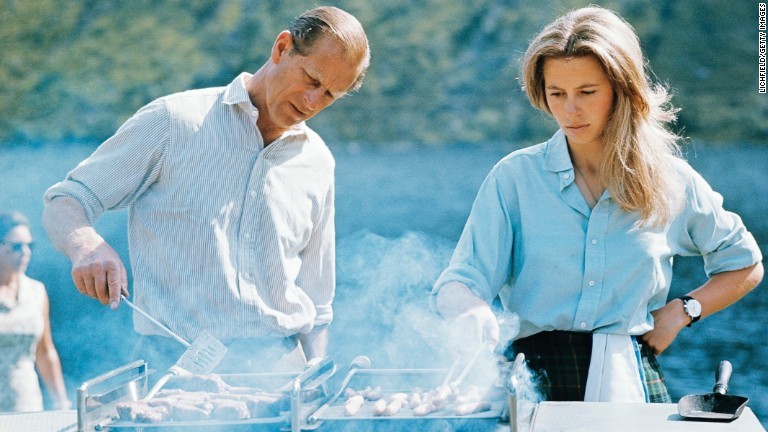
(583, 325)
(248, 236)
(566, 176)
(594, 241)
(248, 276)
(591, 283)
(253, 193)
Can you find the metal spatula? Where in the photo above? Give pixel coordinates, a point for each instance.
(201, 356)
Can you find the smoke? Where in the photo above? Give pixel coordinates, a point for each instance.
(382, 311)
(381, 308)
(524, 386)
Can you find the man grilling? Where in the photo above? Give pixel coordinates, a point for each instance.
(231, 206)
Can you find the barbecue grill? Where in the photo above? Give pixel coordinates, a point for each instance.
(311, 405)
(331, 415)
(97, 399)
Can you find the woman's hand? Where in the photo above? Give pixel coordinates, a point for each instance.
(668, 321)
(720, 291)
(473, 321)
(478, 324)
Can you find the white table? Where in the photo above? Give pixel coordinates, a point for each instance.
(634, 417)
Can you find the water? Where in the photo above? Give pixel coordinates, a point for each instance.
(400, 210)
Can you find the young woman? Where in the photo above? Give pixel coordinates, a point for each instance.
(25, 329)
(576, 235)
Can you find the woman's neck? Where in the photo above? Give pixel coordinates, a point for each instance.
(586, 166)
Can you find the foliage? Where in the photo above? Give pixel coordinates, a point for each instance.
(442, 71)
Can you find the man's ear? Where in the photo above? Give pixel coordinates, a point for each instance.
(282, 46)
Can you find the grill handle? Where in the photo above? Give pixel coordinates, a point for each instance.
(313, 375)
(359, 362)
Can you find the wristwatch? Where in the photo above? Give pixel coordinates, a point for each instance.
(692, 308)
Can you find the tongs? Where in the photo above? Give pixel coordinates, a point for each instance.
(359, 362)
(454, 384)
(201, 356)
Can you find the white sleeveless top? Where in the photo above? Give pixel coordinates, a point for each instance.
(21, 327)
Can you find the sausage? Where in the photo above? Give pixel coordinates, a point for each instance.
(393, 407)
(442, 393)
(472, 408)
(379, 407)
(424, 409)
(372, 394)
(401, 396)
(353, 404)
(414, 400)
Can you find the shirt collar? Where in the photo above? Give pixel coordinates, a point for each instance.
(237, 94)
(557, 157)
(558, 160)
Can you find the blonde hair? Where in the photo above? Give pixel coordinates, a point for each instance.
(638, 144)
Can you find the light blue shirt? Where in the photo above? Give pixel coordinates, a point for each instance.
(532, 240)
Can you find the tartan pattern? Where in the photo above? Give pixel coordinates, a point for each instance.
(654, 377)
(561, 360)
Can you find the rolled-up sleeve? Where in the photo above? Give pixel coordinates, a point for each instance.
(122, 168)
(716, 234)
(482, 258)
(317, 276)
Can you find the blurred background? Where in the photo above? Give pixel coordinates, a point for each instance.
(440, 105)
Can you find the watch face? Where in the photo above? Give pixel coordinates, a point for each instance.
(693, 307)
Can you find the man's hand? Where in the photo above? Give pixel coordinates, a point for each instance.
(99, 273)
(97, 270)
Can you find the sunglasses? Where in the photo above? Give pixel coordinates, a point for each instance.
(18, 246)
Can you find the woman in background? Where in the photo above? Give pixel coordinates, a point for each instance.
(25, 329)
(576, 235)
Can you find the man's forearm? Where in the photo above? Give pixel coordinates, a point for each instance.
(67, 226)
(315, 343)
(97, 270)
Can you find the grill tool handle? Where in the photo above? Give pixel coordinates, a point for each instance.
(723, 376)
(155, 322)
(359, 362)
(451, 371)
(468, 367)
(161, 382)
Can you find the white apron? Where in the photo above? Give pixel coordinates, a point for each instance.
(615, 371)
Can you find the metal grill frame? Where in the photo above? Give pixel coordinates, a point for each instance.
(97, 398)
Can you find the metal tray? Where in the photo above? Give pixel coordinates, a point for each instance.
(98, 398)
(398, 381)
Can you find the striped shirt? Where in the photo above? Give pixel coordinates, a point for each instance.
(225, 235)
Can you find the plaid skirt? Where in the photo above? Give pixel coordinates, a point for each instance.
(560, 360)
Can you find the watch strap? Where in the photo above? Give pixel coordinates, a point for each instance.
(685, 300)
